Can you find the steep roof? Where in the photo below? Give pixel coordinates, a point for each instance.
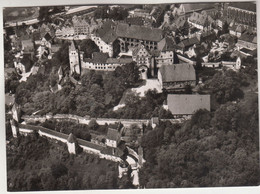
(190, 7)
(200, 19)
(72, 46)
(71, 138)
(107, 32)
(47, 36)
(249, 6)
(248, 37)
(138, 32)
(113, 134)
(189, 42)
(177, 72)
(180, 104)
(166, 44)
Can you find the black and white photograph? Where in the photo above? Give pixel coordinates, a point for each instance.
(130, 96)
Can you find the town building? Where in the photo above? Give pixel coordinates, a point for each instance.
(242, 13)
(200, 21)
(236, 30)
(177, 76)
(247, 40)
(183, 105)
(113, 138)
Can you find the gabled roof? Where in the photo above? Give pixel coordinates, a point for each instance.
(47, 36)
(107, 32)
(187, 104)
(191, 7)
(139, 32)
(166, 44)
(189, 42)
(248, 37)
(113, 134)
(71, 138)
(72, 46)
(200, 19)
(177, 72)
(137, 49)
(249, 6)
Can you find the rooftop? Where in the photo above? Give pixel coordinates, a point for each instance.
(249, 6)
(177, 72)
(187, 104)
(113, 134)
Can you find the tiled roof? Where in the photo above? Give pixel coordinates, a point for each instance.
(71, 138)
(120, 60)
(248, 37)
(186, 104)
(113, 134)
(90, 144)
(47, 36)
(200, 19)
(166, 44)
(190, 7)
(250, 6)
(188, 42)
(107, 32)
(138, 32)
(177, 72)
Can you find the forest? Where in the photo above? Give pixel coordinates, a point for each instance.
(35, 163)
(212, 149)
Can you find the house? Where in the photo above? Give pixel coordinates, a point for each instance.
(27, 46)
(200, 21)
(187, 44)
(247, 40)
(187, 104)
(102, 62)
(177, 76)
(80, 25)
(144, 60)
(236, 30)
(47, 40)
(167, 54)
(105, 37)
(113, 138)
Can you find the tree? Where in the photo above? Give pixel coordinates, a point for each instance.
(88, 47)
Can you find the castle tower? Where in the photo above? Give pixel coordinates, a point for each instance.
(238, 63)
(15, 129)
(75, 58)
(60, 73)
(16, 112)
(71, 143)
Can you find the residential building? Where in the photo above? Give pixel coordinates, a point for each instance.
(187, 104)
(113, 138)
(177, 76)
(200, 21)
(187, 44)
(236, 30)
(247, 40)
(105, 36)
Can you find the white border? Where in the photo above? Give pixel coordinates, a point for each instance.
(28, 3)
